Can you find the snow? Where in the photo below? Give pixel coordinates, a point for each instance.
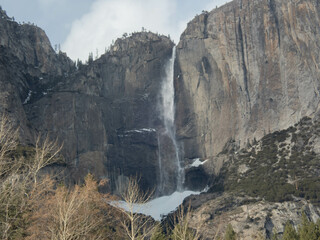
(197, 163)
(142, 130)
(158, 207)
(28, 97)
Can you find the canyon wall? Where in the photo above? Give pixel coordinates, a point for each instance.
(246, 69)
(105, 113)
(242, 70)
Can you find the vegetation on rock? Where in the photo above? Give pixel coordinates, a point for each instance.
(281, 165)
(230, 233)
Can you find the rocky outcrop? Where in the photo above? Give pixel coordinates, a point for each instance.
(259, 188)
(249, 218)
(28, 64)
(246, 69)
(280, 166)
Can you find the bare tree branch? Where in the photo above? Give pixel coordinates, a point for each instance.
(136, 225)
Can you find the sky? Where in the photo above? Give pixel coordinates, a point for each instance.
(84, 26)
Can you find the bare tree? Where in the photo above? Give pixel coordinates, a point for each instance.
(46, 153)
(18, 174)
(11, 189)
(70, 214)
(12, 206)
(136, 226)
(8, 143)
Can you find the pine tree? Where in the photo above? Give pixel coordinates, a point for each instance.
(275, 235)
(90, 58)
(158, 234)
(308, 229)
(230, 233)
(289, 232)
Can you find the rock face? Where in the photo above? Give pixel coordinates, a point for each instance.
(280, 166)
(104, 112)
(27, 65)
(246, 69)
(260, 187)
(250, 220)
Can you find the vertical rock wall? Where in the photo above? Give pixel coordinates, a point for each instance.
(245, 69)
(105, 113)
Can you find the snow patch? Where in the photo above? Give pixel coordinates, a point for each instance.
(158, 207)
(197, 163)
(28, 97)
(142, 130)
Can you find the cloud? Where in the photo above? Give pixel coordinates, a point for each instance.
(109, 19)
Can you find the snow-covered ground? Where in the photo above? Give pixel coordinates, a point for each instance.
(159, 207)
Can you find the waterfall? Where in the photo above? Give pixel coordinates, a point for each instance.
(169, 156)
(161, 173)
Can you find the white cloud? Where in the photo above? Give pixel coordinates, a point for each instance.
(109, 19)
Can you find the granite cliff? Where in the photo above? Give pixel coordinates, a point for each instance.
(27, 64)
(246, 69)
(103, 112)
(244, 72)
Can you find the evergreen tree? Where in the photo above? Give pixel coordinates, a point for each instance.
(158, 234)
(289, 232)
(90, 58)
(79, 63)
(308, 229)
(230, 233)
(275, 235)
